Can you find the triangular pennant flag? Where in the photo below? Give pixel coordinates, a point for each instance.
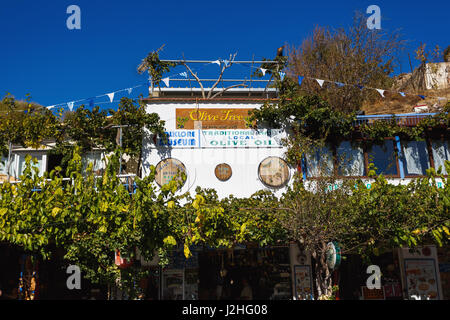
(263, 71)
(339, 84)
(360, 86)
(300, 79)
(217, 62)
(282, 74)
(129, 90)
(402, 94)
(320, 82)
(183, 74)
(421, 96)
(50, 107)
(166, 81)
(111, 96)
(226, 62)
(70, 105)
(380, 91)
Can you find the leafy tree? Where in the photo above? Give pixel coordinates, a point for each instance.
(355, 55)
(91, 218)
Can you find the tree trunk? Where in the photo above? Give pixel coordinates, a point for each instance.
(323, 279)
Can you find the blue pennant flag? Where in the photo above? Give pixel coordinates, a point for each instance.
(300, 79)
(339, 84)
(282, 74)
(402, 94)
(360, 86)
(423, 97)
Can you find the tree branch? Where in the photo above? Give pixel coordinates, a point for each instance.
(225, 89)
(225, 67)
(196, 78)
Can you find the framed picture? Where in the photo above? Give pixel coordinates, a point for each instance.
(303, 282)
(421, 279)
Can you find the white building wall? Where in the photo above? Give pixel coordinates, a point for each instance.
(200, 162)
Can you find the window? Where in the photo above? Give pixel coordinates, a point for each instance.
(415, 157)
(3, 165)
(320, 163)
(39, 164)
(96, 158)
(440, 154)
(384, 159)
(350, 160)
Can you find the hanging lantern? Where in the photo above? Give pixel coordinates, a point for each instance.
(122, 261)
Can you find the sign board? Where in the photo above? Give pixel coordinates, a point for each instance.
(244, 138)
(372, 294)
(421, 278)
(274, 172)
(223, 172)
(211, 118)
(167, 169)
(303, 282)
(420, 273)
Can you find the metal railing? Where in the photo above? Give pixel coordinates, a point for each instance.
(405, 119)
(130, 185)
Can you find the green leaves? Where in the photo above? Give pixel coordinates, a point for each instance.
(169, 240)
(56, 211)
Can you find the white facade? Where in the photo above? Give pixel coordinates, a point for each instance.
(202, 150)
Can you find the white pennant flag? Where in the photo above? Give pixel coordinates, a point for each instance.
(282, 74)
(183, 74)
(70, 105)
(216, 61)
(320, 82)
(129, 90)
(263, 71)
(50, 107)
(111, 96)
(166, 81)
(380, 91)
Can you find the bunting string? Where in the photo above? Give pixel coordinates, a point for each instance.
(341, 84)
(226, 63)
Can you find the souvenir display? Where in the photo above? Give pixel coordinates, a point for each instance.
(303, 282)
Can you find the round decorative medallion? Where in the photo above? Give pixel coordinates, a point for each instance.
(273, 172)
(167, 169)
(223, 172)
(333, 255)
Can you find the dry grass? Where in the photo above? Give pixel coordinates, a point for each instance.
(395, 103)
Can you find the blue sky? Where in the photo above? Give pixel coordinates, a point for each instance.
(41, 56)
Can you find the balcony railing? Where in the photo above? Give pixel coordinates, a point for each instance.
(405, 119)
(127, 181)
